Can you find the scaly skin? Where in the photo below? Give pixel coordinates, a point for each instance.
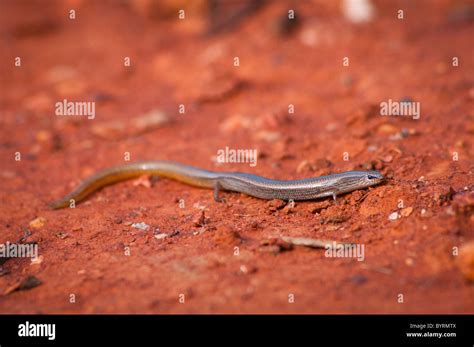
(253, 185)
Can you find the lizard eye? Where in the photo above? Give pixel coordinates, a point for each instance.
(371, 177)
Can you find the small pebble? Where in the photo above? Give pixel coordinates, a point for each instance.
(37, 222)
(36, 260)
(387, 129)
(406, 211)
(267, 135)
(144, 180)
(62, 235)
(142, 226)
(248, 269)
(236, 122)
(394, 216)
(288, 208)
(358, 11)
(372, 148)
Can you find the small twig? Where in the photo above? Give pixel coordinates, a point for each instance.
(313, 243)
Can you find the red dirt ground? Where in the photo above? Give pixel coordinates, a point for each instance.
(84, 251)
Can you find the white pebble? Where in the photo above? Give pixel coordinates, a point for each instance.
(394, 216)
(372, 148)
(141, 226)
(358, 11)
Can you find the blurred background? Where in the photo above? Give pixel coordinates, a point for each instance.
(299, 81)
